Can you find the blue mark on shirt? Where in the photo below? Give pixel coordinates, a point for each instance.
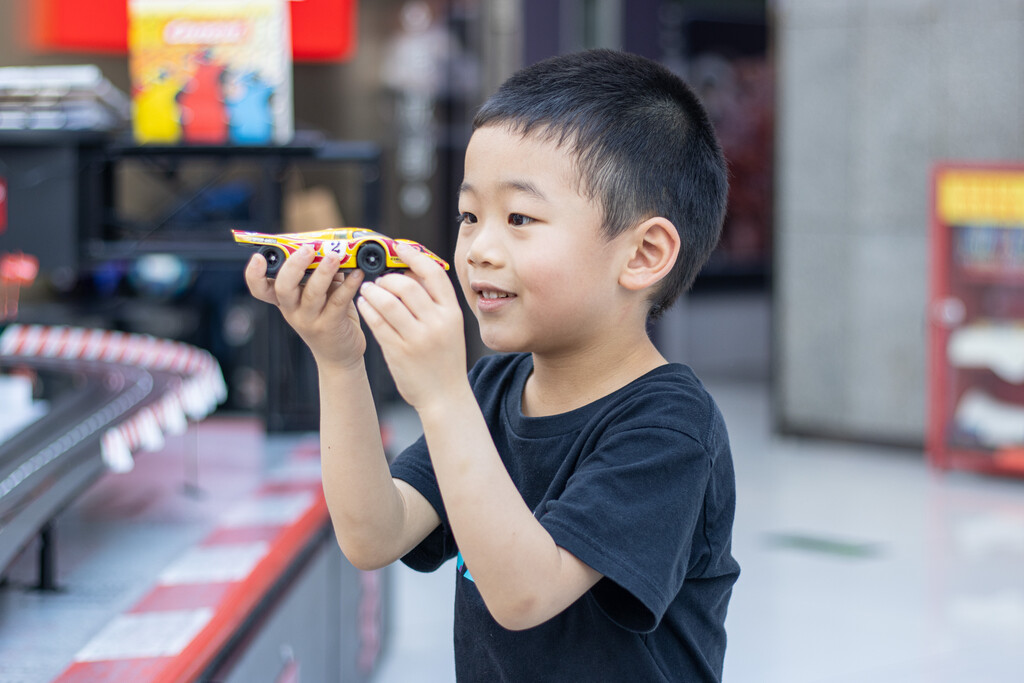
(460, 567)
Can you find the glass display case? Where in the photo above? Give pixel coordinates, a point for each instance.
(976, 318)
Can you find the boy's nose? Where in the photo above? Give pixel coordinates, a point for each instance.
(484, 248)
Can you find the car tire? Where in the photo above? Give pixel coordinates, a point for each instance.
(372, 259)
(275, 257)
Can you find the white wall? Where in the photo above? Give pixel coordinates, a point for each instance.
(871, 93)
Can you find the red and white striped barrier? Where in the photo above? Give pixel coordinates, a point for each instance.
(199, 602)
(199, 392)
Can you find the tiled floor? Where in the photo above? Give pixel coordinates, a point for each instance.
(860, 564)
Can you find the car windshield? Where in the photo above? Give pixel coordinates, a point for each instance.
(360, 234)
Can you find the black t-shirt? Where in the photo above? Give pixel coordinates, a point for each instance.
(639, 485)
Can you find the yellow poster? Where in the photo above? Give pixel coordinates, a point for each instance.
(210, 71)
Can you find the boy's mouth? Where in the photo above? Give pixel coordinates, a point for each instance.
(488, 290)
(491, 297)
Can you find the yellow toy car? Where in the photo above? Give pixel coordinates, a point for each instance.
(367, 250)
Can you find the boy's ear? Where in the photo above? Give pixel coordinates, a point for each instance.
(654, 247)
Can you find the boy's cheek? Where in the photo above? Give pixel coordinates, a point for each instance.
(462, 276)
(460, 253)
(460, 271)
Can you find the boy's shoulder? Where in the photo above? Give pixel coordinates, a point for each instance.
(671, 379)
(670, 396)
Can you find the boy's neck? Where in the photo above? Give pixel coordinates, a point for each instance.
(562, 383)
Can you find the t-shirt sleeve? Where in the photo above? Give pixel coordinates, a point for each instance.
(630, 511)
(413, 467)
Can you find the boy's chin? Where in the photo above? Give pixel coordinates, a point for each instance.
(500, 344)
(499, 347)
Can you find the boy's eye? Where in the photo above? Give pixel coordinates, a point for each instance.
(465, 218)
(518, 219)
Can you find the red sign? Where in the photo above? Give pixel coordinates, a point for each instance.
(3, 204)
(322, 30)
(19, 268)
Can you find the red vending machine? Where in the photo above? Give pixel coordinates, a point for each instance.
(976, 318)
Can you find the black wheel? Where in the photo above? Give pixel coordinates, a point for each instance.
(275, 259)
(372, 259)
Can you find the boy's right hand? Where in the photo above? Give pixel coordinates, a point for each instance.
(321, 312)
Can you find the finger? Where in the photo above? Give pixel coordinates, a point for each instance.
(320, 281)
(389, 307)
(382, 331)
(344, 290)
(410, 290)
(256, 279)
(430, 273)
(290, 277)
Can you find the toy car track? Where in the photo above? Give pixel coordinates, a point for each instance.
(122, 393)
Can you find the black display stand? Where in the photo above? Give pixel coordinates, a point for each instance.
(64, 190)
(113, 236)
(53, 190)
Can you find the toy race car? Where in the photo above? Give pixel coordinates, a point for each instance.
(369, 251)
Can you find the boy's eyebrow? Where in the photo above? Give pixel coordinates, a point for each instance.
(524, 186)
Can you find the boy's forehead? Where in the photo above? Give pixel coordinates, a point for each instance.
(537, 136)
(526, 162)
(517, 185)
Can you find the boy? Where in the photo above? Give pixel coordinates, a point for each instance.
(583, 483)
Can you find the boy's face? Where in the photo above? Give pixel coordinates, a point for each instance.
(532, 261)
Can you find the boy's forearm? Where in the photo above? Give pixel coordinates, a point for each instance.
(367, 510)
(521, 573)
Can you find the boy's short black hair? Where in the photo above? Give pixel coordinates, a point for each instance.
(643, 143)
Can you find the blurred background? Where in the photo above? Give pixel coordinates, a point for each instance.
(861, 322)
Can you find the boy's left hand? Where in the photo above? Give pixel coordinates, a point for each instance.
(417, 321)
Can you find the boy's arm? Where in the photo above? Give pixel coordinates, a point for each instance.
(522, 575)
(376, 519)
